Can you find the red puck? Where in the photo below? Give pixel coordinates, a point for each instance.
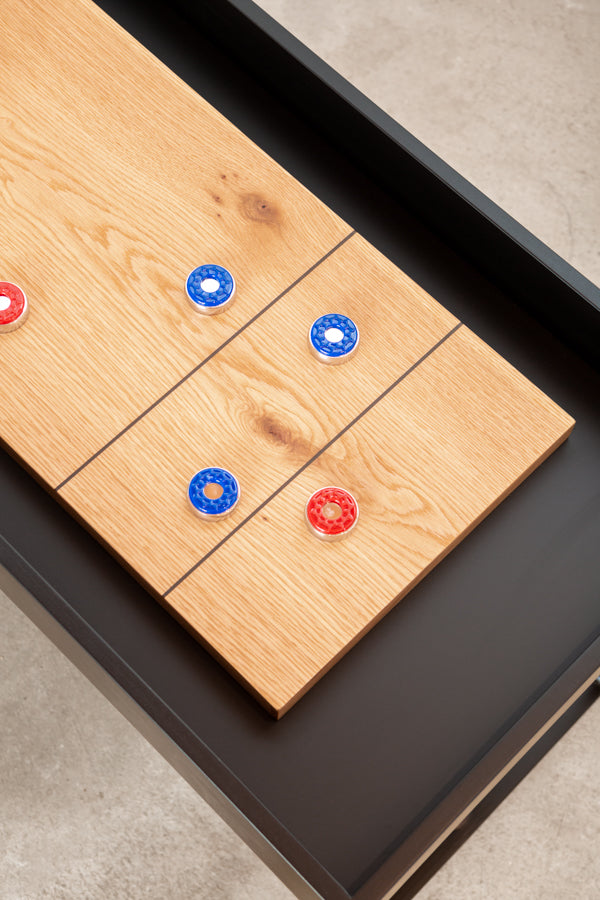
(13, 306)
(331, 513)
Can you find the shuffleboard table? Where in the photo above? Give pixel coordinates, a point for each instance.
(119, 178)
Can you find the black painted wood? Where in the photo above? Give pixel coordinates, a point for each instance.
(386, 750)
(470, 825)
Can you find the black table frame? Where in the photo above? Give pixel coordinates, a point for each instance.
(359, 783)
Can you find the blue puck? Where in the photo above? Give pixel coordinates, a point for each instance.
(213, 492)
(333, 338)
(210, 288)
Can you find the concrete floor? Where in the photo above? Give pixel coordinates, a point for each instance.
(507, 93)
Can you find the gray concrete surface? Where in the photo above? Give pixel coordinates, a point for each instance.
(88, 810)
(507, 93)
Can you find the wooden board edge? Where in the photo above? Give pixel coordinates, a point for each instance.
(282, 709)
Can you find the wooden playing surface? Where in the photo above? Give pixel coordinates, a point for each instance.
(117, 180)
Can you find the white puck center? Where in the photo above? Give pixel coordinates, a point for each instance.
(332, 510)
(5, 302)
(210, 285)
(334, 335)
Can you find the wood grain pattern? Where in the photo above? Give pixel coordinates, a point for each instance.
(426, 464)
(117, 180)
(262, 407)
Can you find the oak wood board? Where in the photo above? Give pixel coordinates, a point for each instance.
(426, 464)
(118, 179)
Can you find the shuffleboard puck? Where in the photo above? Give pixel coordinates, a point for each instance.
(213, 492)
(211, 288)
(331, 513)
(333, 338)
(13, 307)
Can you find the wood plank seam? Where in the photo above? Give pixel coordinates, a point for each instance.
(197, 368)
(310, 461)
